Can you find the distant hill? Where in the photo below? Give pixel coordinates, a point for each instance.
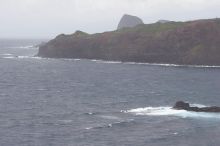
(194, 42)
(129, 21)
(163, 21)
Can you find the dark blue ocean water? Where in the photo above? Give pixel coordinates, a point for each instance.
(64, 102)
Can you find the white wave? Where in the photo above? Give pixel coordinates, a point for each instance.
(110, 62)
(90, 113)
(168, 111)
(67, 59)
(94, 60)
(155, 64)
(21, 57)
(104, 61)
(110, 125)
(198, 105)
(23, 47)
(24, 57)
(173, 65)
(89, 128)
(9, 57)
(76, 59)
(7, 54)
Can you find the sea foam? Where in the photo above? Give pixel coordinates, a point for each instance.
(20, 57)
(110, 125)
(169, 111)
(155, 64)
(23, 47)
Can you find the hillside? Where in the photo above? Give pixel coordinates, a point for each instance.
(194, 42)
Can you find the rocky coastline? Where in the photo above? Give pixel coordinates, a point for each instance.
(186, 43)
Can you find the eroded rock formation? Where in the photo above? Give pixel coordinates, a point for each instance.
(129, 21)
(180, 105)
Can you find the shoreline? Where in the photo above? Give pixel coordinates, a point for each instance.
(138, 63)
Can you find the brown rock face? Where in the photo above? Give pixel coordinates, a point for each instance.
(189, 43)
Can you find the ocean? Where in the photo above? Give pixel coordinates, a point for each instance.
(79, 102)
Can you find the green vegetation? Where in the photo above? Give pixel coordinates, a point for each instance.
(194, 42)
(153, 28)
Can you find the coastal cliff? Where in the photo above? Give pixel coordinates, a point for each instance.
(191, 43)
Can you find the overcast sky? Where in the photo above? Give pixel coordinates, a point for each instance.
(48, 18)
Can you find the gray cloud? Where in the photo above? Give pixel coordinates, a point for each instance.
(47, 18)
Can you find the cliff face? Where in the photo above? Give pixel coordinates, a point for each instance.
(129, 21)
(194, 42)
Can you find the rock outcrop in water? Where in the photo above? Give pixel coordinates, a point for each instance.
(189, 43)
(180, 105)
(129, 21)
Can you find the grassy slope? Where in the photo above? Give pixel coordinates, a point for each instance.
(194, 42)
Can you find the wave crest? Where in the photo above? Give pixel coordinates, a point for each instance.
(154, 64)
(23, 47)
(169, 111)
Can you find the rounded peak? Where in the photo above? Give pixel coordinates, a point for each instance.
(80, 33)
(60, 36)
(128, 15)
(163, 21)
(129, 21)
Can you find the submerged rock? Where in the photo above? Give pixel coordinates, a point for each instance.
(180, 105)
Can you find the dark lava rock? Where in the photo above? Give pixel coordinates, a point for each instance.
(180, 105)
(129, 21)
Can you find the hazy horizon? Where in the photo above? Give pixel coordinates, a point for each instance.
(48, 18)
